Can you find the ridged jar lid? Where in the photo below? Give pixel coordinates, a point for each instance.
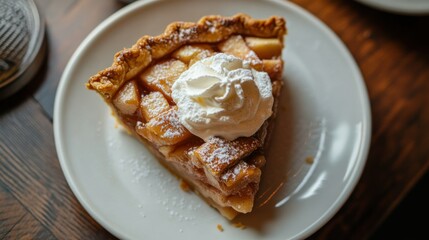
(22, 46)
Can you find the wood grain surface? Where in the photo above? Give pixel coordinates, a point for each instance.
(392, 52)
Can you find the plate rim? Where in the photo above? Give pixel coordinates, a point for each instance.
(363, 99)
(392, 8)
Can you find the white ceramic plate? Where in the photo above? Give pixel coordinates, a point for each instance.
(400, 6)
(324, 114)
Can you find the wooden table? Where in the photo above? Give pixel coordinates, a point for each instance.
(392, 52)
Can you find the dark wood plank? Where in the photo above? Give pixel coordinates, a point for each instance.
(11, 211)
(404, 222)
(68, 22)
(30, 170)
(29, 228)
(392, 53)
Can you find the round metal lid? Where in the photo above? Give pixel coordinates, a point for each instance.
(22, 45)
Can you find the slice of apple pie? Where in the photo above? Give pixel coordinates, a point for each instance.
(201, 96)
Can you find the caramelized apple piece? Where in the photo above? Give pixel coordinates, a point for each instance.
(200, 56)
(236, 46)
(161, 76)
(265, 48)
(164, 129)
(257, 160)
(218, 154)
(180, 153)
(192, 53)
(240, 175)
(274, 68)
(127, 100)
(152, 105)
(242, 202)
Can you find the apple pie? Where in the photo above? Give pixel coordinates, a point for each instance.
(202, 97)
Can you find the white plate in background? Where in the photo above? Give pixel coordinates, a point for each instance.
(400, 6)
(324, 114)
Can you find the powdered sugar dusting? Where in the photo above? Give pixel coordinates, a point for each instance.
(153, 104)
(186, 33)
(222, 155)
(211, 26)
(138, 166)
(219, 154)
(251, 59)
(169, 124)
(142, 170)
(231, 174)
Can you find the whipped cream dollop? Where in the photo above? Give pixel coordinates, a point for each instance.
(223, 96)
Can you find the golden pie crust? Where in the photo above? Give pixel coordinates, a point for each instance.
(227, 181)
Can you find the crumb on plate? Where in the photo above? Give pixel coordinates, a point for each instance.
(309, 160)
(239, 225)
